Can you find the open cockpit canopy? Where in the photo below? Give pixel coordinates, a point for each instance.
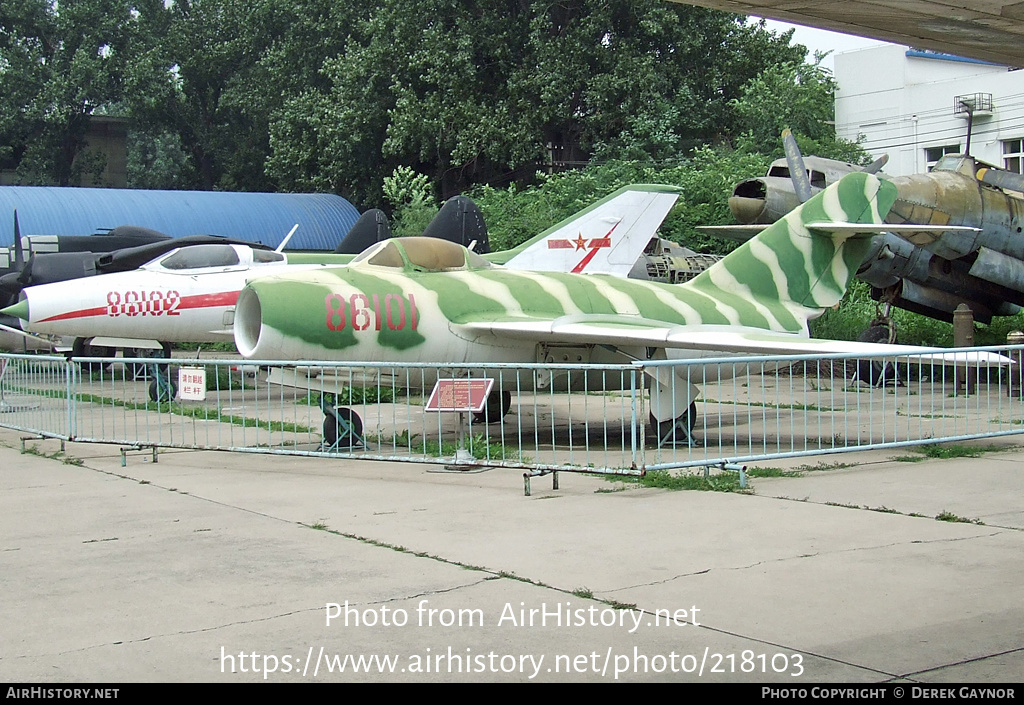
(421, 254)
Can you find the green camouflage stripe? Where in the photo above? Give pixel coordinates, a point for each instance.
(774, 282)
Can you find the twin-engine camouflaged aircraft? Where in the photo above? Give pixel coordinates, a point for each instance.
(189, 295)
(425, 300)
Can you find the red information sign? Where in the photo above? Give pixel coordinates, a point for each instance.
(459, 395)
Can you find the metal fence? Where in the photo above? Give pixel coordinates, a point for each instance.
(542, 417)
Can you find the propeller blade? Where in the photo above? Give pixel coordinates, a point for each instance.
(1002, 179)
(10, 284)
(19, 256)
(24, 276)
(876, 166)
(797, 170)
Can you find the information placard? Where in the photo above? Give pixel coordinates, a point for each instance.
(460, 395)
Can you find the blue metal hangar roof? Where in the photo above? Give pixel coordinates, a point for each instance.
(257, 217)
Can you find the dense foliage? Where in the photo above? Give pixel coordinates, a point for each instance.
(401, 103)
(327, 96)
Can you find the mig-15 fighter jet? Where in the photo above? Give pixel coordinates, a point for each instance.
(425, 300)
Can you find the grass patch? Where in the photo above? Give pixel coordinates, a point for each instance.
(725, 481)
(943, 451)
(198, 412)
(951, 517)
(480, 446)
(353, 395)
(55, 455)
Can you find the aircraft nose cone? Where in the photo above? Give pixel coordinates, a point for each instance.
(748, 201)
(746, 210)
(18, 310)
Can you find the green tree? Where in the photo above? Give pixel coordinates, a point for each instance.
(706, 181)
(59, 63)
(469, 92)
(794, 95)
(216, 71)
(412, 198)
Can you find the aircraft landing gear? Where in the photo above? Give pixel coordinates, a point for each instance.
(677, 431)
(141, 370)
(498, 404)
(83, 347)
(163, 388)
(876, 371)
(343, 429)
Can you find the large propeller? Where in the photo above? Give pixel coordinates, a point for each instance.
(10, 283)
(876, 166)
(19, 256)
(1002, 179)
(460, 221)
(797, 170)
(372, 227)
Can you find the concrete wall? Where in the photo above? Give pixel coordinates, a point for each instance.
(903, 104)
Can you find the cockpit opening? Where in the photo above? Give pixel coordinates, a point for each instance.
(424, 254)
(198, 256)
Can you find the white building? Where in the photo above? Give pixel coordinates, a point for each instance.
(911, 105)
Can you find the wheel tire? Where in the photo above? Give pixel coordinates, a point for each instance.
(498, 404)
(335, 435)
(665, 428)
(875, 371)
(154, 391)
(83, 347)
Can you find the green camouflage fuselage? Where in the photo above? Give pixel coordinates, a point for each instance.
(407, 312)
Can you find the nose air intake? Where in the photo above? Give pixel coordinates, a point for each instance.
(248, 322)
(748, 201)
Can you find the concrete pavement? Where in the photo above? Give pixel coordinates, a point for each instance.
(215, 566)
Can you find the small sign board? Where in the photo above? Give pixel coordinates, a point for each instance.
(460, 395)
(192, 383)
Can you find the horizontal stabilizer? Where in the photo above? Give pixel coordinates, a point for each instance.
(736, 233)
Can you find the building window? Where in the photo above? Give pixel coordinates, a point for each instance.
(1013, 156)
(933, 154)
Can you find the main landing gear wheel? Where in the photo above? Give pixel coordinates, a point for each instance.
(342, 428)
(163, 388)
(498, 404)
(676, 431)
(83, 347)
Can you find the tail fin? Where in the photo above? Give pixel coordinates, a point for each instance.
(606, 238)
(799, 266)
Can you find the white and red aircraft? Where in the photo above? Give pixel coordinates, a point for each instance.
(189, 294)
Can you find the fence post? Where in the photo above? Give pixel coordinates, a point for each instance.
(638, 426)
(72, 389)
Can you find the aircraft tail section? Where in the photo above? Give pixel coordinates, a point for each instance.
(803, 264)
(606, 238)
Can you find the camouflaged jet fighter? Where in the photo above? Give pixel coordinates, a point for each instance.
(188, 295)
(424, 300)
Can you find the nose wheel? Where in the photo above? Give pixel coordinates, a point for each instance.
(343, 429)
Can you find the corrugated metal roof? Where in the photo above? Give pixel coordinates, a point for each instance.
(257, 217)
